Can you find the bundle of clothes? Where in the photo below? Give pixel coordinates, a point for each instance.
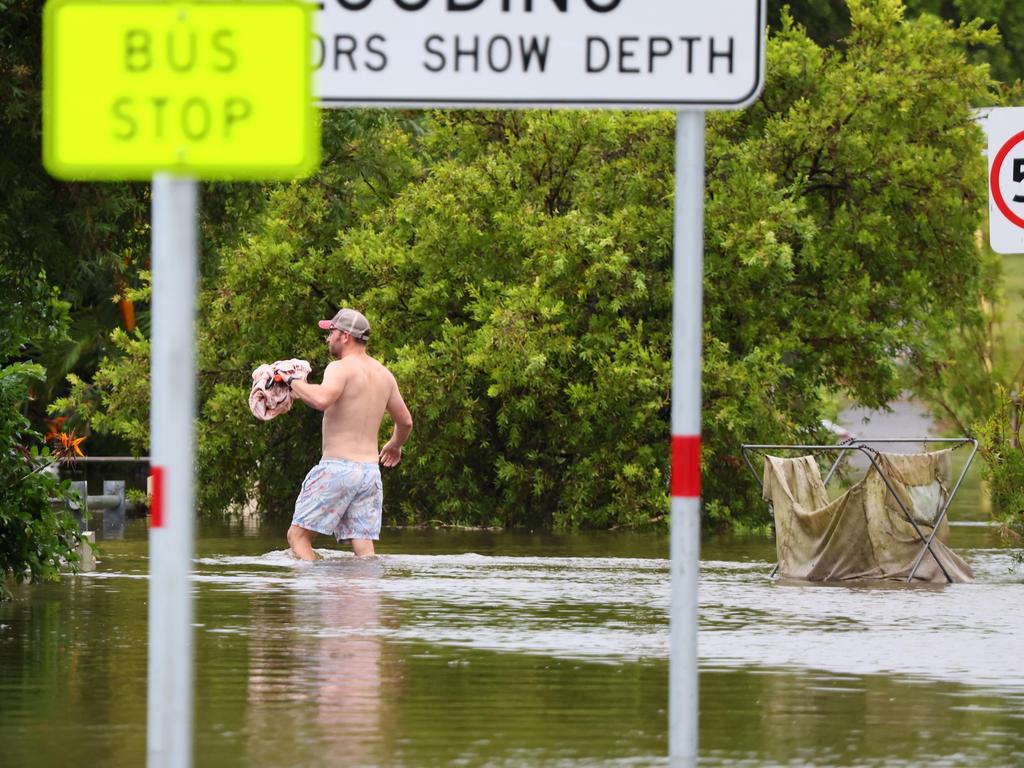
(271, 395)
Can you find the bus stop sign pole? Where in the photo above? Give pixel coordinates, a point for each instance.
(172, 521)
(227, 112)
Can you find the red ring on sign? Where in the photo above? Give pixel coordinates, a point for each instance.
(993, 179)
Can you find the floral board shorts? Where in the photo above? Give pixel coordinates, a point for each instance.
(341, 498)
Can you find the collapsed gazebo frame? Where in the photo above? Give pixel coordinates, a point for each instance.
(868, 449)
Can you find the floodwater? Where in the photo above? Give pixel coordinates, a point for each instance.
(513, 649)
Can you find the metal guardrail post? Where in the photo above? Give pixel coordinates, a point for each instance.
(78, 508)
(112, 502)
(86, 553)
(113, 517)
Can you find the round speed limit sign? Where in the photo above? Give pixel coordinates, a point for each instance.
(1005, 130)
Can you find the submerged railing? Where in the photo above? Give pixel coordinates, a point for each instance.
(112, 502)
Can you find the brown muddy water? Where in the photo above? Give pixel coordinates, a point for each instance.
(513, 649)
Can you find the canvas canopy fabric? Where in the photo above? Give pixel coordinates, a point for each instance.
(863, 534)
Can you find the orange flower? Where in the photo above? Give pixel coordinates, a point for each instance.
(70, 446)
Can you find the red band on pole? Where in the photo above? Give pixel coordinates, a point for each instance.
(686, 466)
(156, 510)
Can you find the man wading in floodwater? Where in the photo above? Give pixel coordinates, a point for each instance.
(342, 495)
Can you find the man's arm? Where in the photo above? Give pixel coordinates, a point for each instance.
(391, 453)
(322, 396)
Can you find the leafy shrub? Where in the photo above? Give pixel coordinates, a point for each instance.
(37, 535)
(999, 445)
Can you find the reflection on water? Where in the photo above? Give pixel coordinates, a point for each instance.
(519, 650)
(315, 665)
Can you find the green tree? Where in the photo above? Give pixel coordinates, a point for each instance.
(828, 23)
(972, 381)
(1007, 57)
(970, 377)
(89, 239)
(68, 251)
(37, 537)
(264, 285)
(517, 268)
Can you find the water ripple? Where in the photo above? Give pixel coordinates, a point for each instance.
(613, 609)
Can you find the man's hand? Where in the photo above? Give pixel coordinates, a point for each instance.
(390, 454)
(296, 377)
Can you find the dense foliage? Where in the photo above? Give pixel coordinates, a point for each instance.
(972, 377)
(262, 293)
(972, 380)
(89, 238)
(65, 251)
(517, 269)
(828, 22)
(1000, 446)
(36, 537)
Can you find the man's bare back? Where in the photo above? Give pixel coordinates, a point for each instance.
(352, 422)
(354, 395)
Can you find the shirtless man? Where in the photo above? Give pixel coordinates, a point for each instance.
(342, 495)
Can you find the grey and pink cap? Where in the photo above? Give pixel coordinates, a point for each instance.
(349, 321)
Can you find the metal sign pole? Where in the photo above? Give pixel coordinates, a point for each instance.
(687, 343)
(172, 522)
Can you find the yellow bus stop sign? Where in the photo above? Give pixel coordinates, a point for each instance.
(210, 90)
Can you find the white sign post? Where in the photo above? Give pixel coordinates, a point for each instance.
(687, 345)
(687, 55)
(1005, 130)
